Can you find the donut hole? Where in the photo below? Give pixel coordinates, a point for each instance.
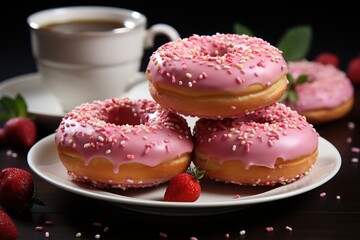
(123, 116)
(218, 52)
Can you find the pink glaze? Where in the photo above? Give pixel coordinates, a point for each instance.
(327, 86)
(223, 63)
(124, 131)
(257, 138)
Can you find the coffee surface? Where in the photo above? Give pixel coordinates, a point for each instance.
(87, 25)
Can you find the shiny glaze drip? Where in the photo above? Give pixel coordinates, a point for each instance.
(221, 63)
(327, 86)
(257, 138)
(124, 131)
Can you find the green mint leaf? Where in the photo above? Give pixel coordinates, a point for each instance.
(302, 79)
(242, 29)
(296, 42)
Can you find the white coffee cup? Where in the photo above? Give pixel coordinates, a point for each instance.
(82, 66)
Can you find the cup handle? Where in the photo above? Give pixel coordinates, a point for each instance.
(159, 28)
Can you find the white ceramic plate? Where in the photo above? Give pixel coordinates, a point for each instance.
(216, 197)
(43, 104)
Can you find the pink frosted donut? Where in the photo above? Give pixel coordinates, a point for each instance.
(327, 95)
(123, 143)
(222, 75)
(265, 147)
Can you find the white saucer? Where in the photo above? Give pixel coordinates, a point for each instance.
(215, 197)
(43, 104)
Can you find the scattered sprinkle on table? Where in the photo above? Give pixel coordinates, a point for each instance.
(162, 234)
(269, 229)
(287, 228)
(242, 232)
(323, 194)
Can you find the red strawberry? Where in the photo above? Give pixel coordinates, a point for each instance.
(184, 187)
(328, 58)
(353, 70)
(17, 189)
(20, 132)
(8, 229)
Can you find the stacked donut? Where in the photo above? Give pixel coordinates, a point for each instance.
(327, 94)
(123, 143)
(232, 83)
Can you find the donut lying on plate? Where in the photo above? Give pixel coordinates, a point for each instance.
(326, 95)
(123, 143)
(221, 75)
(273, 145)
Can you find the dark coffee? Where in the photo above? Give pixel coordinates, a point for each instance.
(88, 25)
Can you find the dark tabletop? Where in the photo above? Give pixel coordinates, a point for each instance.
(309, 215)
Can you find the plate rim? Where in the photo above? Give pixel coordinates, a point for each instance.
(130, 201)
(34, 77)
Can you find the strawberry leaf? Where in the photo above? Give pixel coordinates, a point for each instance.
(301, 79)
(296, 42)
(242, 29)
(20, 106)
(290, 92)
(292, 96)
(197, 173)
(284, 96)
(13, 107)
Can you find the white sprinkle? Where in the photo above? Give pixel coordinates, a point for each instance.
(162, 234)
(188, 75)
(78, 234)
(97, 236)
(351, 125)
(227, 235)
(108, 151)
(190, 84)
(97, 224)
(338, 197)
(47, 234)
(242, 232)
(354, 160)
(106, 229)
(288, 228)
(180, 83)
(86, 145)
(233, 148)
(323, 194)
(193, 238)
(100, 138)
(39, 228)
(355, 149)
(269, 229)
